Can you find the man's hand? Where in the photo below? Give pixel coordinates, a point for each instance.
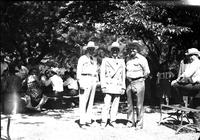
(174, 82)
(123, 89)
(103, 89)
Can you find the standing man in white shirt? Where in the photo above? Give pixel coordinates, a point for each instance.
(87, 77)
(112, 77)
(137, 71)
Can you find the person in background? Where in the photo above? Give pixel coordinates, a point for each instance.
(22, 70)
(87, 78)
(55, 81)
(137, 70)
(11, 92)
(34, 98)
(70, 87)
(4, 65)
(164, 77)
(112, 79)
(70, 84)
(184, 63)
(4, 74)
(188, 83)
(191, 73)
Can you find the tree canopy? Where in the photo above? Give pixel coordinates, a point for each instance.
(34, 29)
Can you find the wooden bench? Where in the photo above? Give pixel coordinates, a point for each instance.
(65, 97)
(61, 101)
(181, 112)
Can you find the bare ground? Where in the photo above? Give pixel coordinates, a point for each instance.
(61, 124)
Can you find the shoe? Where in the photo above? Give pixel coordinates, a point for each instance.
(139, 127)
(29, 106)
(94, 124)
(45, 99)
(84, 126)
(103, 125)
(113, 124)
(130, 124)
(38, 108)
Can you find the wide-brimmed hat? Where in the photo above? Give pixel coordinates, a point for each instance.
(135, 45)
(89, 45)
(54, 70)
(192, 51)
(115, 45)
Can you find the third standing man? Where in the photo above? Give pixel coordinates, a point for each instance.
(137, 71)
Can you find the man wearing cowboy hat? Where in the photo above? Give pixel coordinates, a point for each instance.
(188, 83)
(192, 71)
(87, 77)
(112, 77)
(137, 70)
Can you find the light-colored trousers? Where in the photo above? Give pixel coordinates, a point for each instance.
(86, 100)
(110, 107)
(135, 92)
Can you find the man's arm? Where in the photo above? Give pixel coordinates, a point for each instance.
(47, 82)
(102, 73)
(79, 68)
(145, 67)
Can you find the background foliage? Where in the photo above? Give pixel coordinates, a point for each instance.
(37, 29)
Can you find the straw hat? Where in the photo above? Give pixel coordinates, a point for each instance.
(135, 45)
(54, 70)
(89, 45)
(192, 51)
(115, 45)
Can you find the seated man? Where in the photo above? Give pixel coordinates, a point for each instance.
(190, 78)
(70, 84)
(55, 81)
(34, 97)
(189, 81)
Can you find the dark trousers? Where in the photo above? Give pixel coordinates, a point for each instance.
(135, 96)
(191, 90)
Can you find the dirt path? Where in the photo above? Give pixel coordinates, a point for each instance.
(61, 124)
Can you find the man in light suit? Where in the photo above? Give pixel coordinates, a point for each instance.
(87, 77)
(112, 77)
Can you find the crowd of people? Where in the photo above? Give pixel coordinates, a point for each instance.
(115, 75)
(34, 85)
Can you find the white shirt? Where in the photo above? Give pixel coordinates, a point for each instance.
(193, 71)
(137, 67)
(57, 83)
(71, 83)
(86, 66)
(182, 67)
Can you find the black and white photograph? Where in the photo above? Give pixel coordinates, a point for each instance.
(100, 70)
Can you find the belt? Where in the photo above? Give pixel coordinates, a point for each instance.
(84, 74)
(133, 79)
